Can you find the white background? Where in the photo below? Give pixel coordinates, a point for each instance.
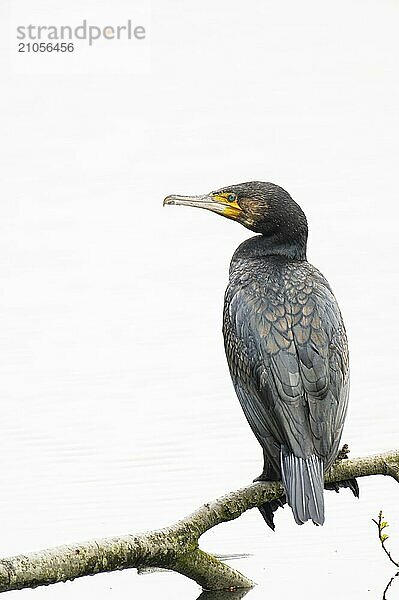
(117, 412)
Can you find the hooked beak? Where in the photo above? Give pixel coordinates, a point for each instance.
(214, 203)
(207, 201)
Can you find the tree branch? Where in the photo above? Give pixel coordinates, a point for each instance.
(174, 547)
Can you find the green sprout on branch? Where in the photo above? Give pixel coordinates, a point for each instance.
(383, 537)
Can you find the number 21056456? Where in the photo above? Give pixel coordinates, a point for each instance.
(45, 47)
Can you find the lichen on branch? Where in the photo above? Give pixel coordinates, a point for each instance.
(175, 547)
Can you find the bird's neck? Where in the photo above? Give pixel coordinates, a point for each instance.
(272, 245)
(284, 232)
(294, 249)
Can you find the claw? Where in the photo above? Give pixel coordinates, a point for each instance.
(348, 483)
(343, 453)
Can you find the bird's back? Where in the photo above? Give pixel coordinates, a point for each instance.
(287, 352)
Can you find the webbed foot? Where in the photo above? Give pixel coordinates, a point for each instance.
(268, 509)
(348, 483)
(266, 477)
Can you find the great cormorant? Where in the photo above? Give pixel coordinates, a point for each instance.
(285, 343)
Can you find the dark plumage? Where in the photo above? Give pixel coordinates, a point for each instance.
(285, 344)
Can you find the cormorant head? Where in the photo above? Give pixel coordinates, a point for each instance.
(262, 207)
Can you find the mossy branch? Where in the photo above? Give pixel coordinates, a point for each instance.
(174, 547)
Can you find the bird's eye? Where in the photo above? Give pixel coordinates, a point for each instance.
(231, 198)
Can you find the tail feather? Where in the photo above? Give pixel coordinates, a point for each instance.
(303, 480)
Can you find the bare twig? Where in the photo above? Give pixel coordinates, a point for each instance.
(390, 582)
(174, 547)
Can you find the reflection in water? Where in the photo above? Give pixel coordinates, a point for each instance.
(222, 557)
(150, 570)
(231, 556)
(223, 595)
